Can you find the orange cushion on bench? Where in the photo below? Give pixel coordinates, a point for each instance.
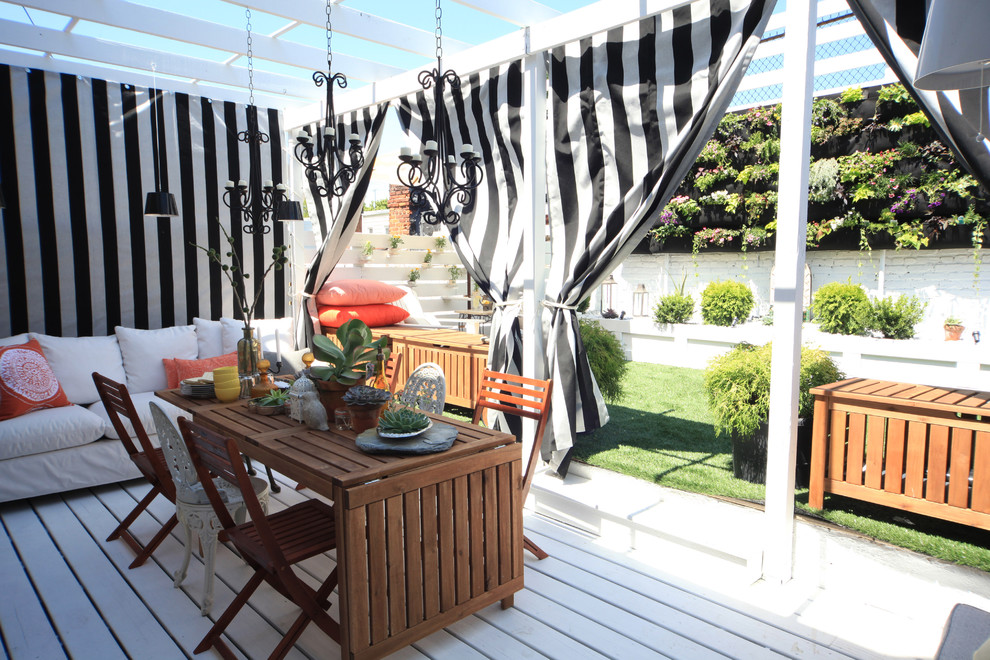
(357, 292)
(180, 369)
(376, 316)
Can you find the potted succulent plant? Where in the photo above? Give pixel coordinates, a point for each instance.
(365, 404)
(346, 359)
(953, 329)
(738, 388)
(275, 402)
(401, 422)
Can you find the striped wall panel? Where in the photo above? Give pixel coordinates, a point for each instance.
(77, 156)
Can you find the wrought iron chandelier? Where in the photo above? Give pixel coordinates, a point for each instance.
(327, 165)
(432, 177)
(258, 202)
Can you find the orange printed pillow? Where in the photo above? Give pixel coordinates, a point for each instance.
(183, 369)
(375, 316)
(357, 292)
(27, 382)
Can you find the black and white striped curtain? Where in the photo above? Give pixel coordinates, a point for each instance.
(896, 28)
(631, 110)
(486, 112)
(336, 219)
(76, 162)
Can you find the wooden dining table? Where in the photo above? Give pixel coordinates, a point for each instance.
(422, 540)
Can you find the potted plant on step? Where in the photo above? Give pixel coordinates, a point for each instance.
(455, 274)
(439, 243)
(413, 277)
(367, 251)
(365, 404)
(346, 359)
(738, 388)
(394, 241)
(953, 329)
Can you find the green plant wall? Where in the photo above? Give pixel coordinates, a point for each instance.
(879, 177)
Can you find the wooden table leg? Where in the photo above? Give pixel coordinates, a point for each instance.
(508, 601)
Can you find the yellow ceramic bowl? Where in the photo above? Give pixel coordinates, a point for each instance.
(227, 381)
(227, 394)
(223, 371)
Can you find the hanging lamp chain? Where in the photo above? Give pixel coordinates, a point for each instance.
(439, 34)
(250, 57)
(329, 36)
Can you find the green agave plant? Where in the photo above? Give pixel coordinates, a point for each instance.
(348, 360)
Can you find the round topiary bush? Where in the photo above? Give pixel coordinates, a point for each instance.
(607, 359)
(896, 318)
(673, 308)
(726, 303)
(841, 308)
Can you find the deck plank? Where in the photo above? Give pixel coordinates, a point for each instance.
(79, 624)
(24, 626)
(135, 628)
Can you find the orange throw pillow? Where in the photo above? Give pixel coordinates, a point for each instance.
(357, 292)
(27, 382)
(184, 369)
(375, 316)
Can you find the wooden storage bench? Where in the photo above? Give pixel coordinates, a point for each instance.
(463, 356)
(914, 447)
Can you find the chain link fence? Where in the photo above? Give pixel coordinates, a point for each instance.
(831, 73)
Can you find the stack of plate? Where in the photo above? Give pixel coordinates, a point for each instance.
(197, 388)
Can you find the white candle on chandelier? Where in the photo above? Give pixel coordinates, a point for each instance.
(302, 136)
(328, 131)
(405, 151)
(280, 187)
(451, 160)
(466, 150)
(430, 147)
(229, 185)
(242, 184)
(268, 183)
(354, 138)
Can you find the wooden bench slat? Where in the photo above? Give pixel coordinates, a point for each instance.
(959, 467)
(938, 458)
(981, 473)
(876, 429)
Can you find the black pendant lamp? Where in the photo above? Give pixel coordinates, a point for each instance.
(160, 203)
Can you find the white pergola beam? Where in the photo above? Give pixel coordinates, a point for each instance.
(603, 15)
(169, 25)
(517, 12)
(142, 79)
(97, 50)
(358, 24)
(789, 258)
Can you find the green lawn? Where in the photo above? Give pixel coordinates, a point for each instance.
(660, 430)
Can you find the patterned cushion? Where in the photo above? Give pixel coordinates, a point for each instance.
(27, 382)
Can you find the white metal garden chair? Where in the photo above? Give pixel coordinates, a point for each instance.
(426, 388)
(193, 508)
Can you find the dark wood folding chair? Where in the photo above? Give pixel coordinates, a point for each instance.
(149, 461)
(523, 397)
(270, 544)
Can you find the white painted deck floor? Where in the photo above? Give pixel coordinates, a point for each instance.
(64, 592)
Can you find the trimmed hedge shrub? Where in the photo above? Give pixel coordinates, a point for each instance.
(607, 359)
(841, 309)
(673, 308)
(726, 303)
(895, 318)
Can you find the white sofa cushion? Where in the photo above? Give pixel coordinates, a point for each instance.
(141, 401)
(15, 340)
(74, 359)
(48, 430)
(209, 337)
(143, 350)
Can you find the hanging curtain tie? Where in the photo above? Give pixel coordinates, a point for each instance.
(572, 308)
(507, 303)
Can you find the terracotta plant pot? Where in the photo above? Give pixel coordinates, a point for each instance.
(331, 395)
(365, 417)
(953, 332)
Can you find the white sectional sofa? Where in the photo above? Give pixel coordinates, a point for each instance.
(61, 449)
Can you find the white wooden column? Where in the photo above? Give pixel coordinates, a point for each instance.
(792, 217)
(532, 202)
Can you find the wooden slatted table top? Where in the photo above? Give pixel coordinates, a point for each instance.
(436, 337)
(908, 394)
(324, 458)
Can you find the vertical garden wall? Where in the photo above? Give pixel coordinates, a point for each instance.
(880, 178)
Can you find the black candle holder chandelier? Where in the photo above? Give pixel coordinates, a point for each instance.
(260, 203)
(434, 184)
(326, 166)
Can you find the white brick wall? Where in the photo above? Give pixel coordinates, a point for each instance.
(946, 279)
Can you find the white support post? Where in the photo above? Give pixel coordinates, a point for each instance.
(792, 211)
(532, 201)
